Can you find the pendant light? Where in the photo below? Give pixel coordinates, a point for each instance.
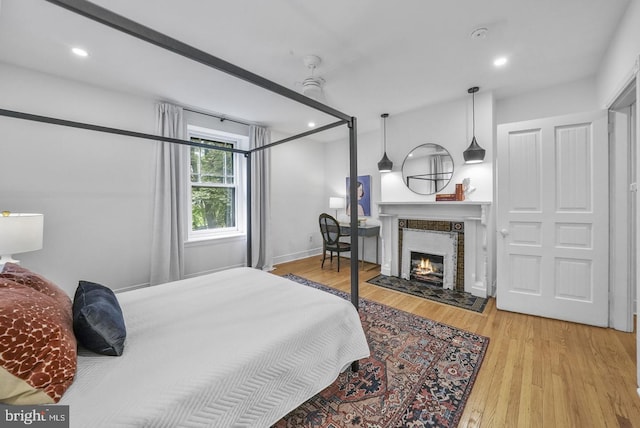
(385, 164)
(474, 153)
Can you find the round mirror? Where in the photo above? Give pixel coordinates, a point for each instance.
(427, 169)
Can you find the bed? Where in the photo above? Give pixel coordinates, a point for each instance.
(236, 348)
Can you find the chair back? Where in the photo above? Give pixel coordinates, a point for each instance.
(329, 228)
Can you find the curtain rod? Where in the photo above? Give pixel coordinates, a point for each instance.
(222, 118)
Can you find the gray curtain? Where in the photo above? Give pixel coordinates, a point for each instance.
(262, 255)
(170, 201)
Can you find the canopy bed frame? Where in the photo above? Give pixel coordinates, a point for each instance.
(125, 25)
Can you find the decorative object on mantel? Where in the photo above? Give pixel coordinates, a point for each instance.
(455, 298)
(467, 187)
(459, 192)
(474, 153)
(19, 233)
(446, 197)
(458, 196)
(385, 164)
(336, 202)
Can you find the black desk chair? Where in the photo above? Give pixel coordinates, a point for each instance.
(330, 230)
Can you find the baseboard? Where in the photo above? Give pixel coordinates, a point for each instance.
(190, 275)
(206, 272)
(297, 256)
(131, 287)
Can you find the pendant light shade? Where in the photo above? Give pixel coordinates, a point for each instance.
(385, 164)
(474, 153)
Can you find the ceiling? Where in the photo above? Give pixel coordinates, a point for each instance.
(377, 56)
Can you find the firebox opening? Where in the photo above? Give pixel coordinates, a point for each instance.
(427, 268)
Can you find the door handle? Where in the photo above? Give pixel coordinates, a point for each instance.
(504, 232)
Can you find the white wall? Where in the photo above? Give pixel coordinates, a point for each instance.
(621, 57)
(447, 124)
(93, 188)
(298, 197)
(337, 170)
(594, 93)
(568, 98)
(450, 125)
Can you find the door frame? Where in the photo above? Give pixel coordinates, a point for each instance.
(633, 76)
(622, 210)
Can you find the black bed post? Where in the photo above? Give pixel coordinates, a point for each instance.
(353, 197)
(249, 222)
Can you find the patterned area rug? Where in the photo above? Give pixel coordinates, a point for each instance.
(450, 297)
(419, 374)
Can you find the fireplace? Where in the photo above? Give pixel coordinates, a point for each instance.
(403, 223)
(441, 245)
(427, 268)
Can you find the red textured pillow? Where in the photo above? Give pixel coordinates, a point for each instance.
(22, 275)
(38, 351)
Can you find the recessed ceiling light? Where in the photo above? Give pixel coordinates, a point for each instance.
(500, 61)
(80, 52)
(311, 124)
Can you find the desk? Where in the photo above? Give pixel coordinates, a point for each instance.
(368, 230)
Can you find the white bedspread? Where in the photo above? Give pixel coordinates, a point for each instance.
(238, 348)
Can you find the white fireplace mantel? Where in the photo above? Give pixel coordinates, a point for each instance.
(474, 214)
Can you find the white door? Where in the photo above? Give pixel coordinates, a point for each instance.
(552, 218)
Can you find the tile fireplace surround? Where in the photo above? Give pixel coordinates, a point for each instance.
(474, 216)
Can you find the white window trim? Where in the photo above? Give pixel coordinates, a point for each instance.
(240, 142)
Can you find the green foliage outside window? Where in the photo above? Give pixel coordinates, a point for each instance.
(212, 207)
(213, 194)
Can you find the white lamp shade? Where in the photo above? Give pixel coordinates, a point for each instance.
(20, 233)
(336, 202)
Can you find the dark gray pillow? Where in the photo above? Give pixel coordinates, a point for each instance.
(97, 319)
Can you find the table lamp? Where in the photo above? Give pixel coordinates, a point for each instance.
(336, 203)
(19, 233)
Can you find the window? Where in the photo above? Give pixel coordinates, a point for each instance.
(217, 199)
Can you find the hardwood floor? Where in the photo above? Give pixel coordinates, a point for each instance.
(537, 372)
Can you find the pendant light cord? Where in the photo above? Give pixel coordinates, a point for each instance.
(473, 112)
(384, 134)
(384, 131)
(473, 91)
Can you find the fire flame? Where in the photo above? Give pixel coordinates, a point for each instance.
(425, 267)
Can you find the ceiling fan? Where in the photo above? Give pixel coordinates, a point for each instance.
(312, 86)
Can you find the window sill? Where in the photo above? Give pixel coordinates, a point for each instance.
(216, 239)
